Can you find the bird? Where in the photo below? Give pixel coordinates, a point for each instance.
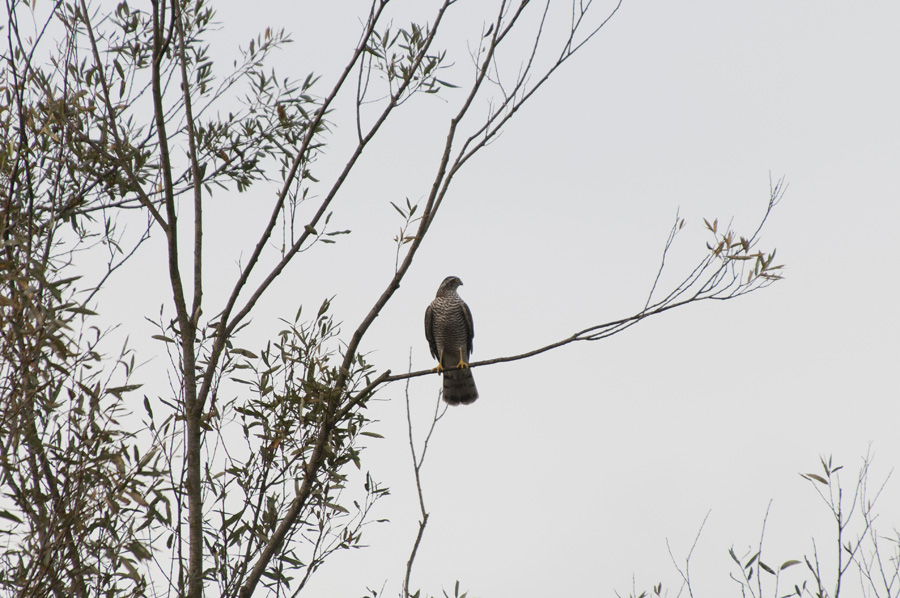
(449, 331)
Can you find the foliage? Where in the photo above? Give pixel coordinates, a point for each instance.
(118, 128)
(861, 551)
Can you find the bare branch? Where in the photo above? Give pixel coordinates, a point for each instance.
(686, 572)
(418, 459)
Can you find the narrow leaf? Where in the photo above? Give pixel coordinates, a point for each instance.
(7, 515)
(118, 390)
(818, 478)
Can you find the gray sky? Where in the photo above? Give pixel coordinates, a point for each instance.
(574, 468)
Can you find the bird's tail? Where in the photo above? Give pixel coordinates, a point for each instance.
(459, 387)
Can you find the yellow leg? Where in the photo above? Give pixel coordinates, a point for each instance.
(440, 367)
(462, 362)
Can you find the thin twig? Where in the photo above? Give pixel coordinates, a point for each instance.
(417, 467)
(686, 573)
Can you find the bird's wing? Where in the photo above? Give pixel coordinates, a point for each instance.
(470, 326)
(429, 331)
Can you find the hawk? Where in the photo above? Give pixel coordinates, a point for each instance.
(449, 330)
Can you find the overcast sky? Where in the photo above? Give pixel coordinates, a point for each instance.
(573, 469)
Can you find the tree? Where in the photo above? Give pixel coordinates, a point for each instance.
(116, 121)
(857, 547)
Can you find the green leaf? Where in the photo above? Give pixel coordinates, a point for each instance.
(787, 564)
(132, 572)
(818, 478)
(7, 515)
(137, 497)
(119, 390)
(336, 507)
(231, 520)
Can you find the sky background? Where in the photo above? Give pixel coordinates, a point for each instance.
(574, 468)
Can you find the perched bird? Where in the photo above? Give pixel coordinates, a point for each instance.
(449, 330)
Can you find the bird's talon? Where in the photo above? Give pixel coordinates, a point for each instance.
(462, 362)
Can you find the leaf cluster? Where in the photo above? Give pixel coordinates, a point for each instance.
(400, 55)
(78, 488)
(859, 551)
(265, 438)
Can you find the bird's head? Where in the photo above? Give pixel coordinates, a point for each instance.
(450, 284)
